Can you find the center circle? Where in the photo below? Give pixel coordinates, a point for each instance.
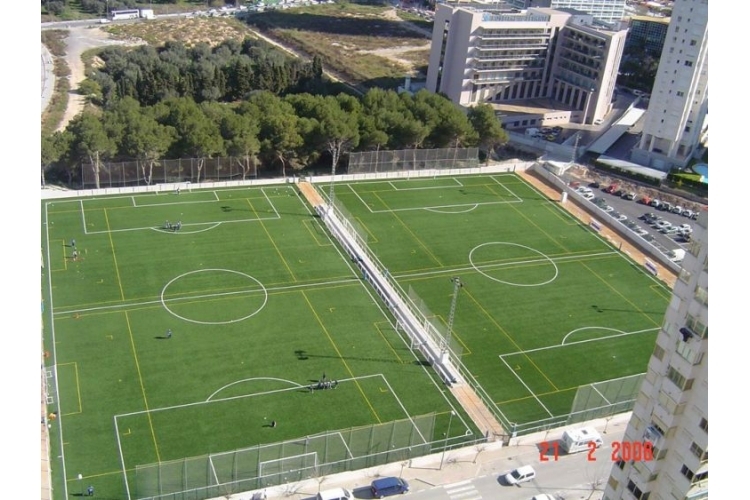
(193, 285)
(478, 268)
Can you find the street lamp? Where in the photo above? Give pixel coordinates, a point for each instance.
(445, 444)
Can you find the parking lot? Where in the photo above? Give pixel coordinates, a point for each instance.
(666, 227)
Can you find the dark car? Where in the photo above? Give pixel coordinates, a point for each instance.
(387, 486)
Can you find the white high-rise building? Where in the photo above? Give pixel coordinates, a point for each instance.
(677, 110)
(482, 53)
(671, 411)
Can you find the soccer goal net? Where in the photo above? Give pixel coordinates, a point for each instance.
(294, 468)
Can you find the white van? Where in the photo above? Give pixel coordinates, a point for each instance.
(335, 494)
(576, 440)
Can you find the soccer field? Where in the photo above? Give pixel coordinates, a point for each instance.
(546, 305)
(182, 346)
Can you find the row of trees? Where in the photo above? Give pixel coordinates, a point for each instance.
(266, 131)
(228, 72)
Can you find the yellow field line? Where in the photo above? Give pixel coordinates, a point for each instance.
(307, 223)
(78, 389)
(335, 348)
(607, 283)
(114, 255)
(492, 320)
(424, 247)
(388, 343)
(294, 278)
(143, 389)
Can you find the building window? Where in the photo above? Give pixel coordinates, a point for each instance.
(680, 93)
(687, 129)
(693, 43)
(689, 355)
(689, 63)
(637, 493)
(658, 352)
(687, 472)
(701, 295)
(676, 377)
(685, 275)
(704, 424)
(697, 450)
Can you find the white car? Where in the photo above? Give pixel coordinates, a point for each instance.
(543, 496)
(588, 196)
(640, 231)
(662, 224)
(608, 208)
(621, 217)
(519, 475)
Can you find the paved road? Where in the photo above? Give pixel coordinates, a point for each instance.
(472, 473)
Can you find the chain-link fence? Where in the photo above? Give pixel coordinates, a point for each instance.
(144, 172)
(197, 478)
(412, 159)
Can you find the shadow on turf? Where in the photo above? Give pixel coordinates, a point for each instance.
(304, 356)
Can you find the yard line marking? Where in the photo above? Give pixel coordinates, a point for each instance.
(341, 357)
(122, 458)
(83, 218)
(360, 198)
(114, 256)
(290, 288)
(132, 199)
(424, 247)
(529, 388)
(451, 270)
(213, 469)
(270, 238)
(262, 190)
(143, 388)
(216, 195)
(512, 341)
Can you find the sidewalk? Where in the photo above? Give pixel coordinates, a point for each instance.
(425, 473)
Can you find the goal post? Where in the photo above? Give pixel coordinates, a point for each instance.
(292, 468)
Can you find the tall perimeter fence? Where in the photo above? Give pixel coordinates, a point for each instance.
(265, 465)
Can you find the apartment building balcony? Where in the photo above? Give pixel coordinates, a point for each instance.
(521, 60)
(512, 46)
(514, 36)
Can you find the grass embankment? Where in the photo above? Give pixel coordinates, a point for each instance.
(54, 40)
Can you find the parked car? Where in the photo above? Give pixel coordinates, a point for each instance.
(666, 206)
(594, 185)
(687, 213)
(629, 196)
(676, 209)
(519, 475)
(608, 208)
(655, 203)
(648, 216)
(621, 217)
(588, 196)
(662, 224)
(388, 486)
(611, 188)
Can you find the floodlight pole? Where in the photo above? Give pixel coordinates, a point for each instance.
(330, 190)
(445, 443)
(456, 286)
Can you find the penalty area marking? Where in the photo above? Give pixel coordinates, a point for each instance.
(294, 385)
(169, 231)
(469, 209)
(544, 256)
(263, 288)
